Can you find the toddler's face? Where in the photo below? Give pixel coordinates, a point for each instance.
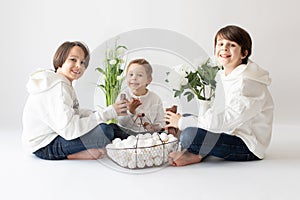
(137, 78)
(228, 53)
(74, 66)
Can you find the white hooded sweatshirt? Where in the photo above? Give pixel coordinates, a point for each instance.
(243, 107)
(52, 109)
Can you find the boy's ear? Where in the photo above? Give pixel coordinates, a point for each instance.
(149, 81)
(245, 54)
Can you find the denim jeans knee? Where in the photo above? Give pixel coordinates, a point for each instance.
(187, 137)
(198, 141)
(107, 130)
(60, 148)
(98, 137)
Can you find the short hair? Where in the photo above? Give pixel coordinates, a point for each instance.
(143, 62)
(238, 35)
(63, 51)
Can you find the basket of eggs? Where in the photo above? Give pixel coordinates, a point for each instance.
(143, 150)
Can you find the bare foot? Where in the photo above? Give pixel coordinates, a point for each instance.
(183, 158)
(90, 154)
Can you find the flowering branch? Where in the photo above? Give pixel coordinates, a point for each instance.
(200, 83)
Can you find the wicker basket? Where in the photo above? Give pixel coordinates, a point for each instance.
(139, 153)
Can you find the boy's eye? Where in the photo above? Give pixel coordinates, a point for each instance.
(83, 63)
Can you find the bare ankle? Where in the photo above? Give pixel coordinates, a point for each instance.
(184, 158)
(90, 154)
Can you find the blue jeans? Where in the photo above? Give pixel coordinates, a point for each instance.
(204, 143)
(60, 148)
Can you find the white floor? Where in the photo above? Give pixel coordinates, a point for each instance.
(23, 176)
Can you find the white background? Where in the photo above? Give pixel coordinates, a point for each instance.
(32, 30)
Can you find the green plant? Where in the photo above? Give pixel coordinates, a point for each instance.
(200, 83)
(112, 72)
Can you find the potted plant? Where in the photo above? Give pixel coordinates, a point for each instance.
(112, 72)
(198, 83)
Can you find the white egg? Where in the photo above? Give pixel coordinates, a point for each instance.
(149, 142)
(154, 134)
(131, 137)
(166, 155)
(139, 156)
(140, 164)
(119, 145)
(116, 154)
(141, 143)
(149, 162)
(172, 148)
(133, 156)
(148, 153)
(122, 161)
(131, 164)
(116, 140)
(147, 135)
(157, 161)
(164, 137)
(172, 139)
(169, 147)
(160, 150)
(110, 146)
(130, 144)
(109, 153)
(157, 151)
(158, 142)
(156, 137)
(140, 136)
(124, 142)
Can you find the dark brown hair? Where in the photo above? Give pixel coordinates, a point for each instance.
(63, 50)
(238, 35)
(143, 62)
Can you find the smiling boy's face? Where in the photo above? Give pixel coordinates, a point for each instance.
(137, 78)
(228, 53)
(74, 66)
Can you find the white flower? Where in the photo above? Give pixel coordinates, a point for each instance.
(121, 51)
(176, 80)
(112, 62)
(185, 69)
(183, 81)
(213, 61)
(119, 78)
(182, 69)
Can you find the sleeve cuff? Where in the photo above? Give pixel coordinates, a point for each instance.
(107, 114)
(189, 121)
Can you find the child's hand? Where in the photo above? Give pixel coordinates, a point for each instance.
(148, 126)
(133, 104)
(172, 119)
(121, 107)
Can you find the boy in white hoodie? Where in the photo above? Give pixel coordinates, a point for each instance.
(238, 126)
(54, 126)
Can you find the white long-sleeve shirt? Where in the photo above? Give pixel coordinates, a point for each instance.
(151, 106)
(52, 109)
(243, 106)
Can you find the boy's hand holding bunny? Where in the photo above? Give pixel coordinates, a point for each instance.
(121, 107)
(133, 104)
